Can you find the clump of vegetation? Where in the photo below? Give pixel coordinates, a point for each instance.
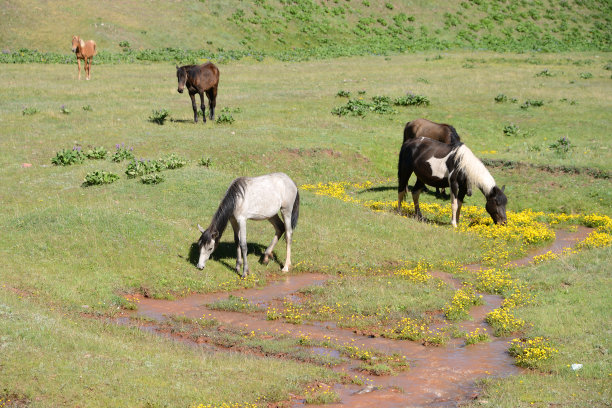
(159, 116)
(206, 162)
(67, 157)
(172, 161)
(97, 153)
(87, 108)
(122, 153)
(503, 322)
(154, 178)
(382, 105)
(511, 130)
(544, 73)
(586, 75)
(476, 336)
(532, 102)
(225, 117)
(411, 100)
(30, 110)
(321, 394)
(65, 110)
(500, 98)
(99, 177)
(530, 353)
(562, 146)
(141, 167)
(344, 94)
(354, 107)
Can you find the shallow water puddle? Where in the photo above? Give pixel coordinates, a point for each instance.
(438, 376)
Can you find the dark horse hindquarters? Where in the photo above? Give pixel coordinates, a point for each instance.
(199, 79)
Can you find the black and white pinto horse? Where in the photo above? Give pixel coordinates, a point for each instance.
(253, 198)
(440, 165)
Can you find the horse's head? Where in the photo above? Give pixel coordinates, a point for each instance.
(207, 244)
(496, 205)
(181, 74)
(76, 41)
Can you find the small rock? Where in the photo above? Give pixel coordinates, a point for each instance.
(367, 389)
(576, 367)
(25, 165)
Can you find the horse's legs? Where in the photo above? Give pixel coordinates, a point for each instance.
(279, 229)
(195, 107)
(237, 242)
(416, 191)
(288, 235)
(212, 101)
(79, 64)
(87, 67)
(404, 175)
(203, 107)
(243, 245)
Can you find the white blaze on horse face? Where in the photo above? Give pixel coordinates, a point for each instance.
(438, 167)
(205, 251)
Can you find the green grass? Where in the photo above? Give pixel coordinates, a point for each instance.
(71, 247)
(572, 309)
(302, 28)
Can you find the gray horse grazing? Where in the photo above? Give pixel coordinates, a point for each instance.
(253, 198)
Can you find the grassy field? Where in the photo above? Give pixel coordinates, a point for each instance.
(70, 249)
(299, 29)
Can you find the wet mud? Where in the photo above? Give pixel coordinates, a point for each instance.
(438, 376)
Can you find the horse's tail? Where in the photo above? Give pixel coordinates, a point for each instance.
(295, 213)
(454, 137)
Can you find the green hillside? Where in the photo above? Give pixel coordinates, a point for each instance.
(298, 29)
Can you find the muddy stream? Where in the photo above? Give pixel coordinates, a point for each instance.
(438, 376)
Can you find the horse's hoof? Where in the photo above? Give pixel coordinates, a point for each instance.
(285, 269)
(265, 260)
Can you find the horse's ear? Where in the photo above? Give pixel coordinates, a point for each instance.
(177, 67)
(200, 228)
(215, 235)
(503, 188)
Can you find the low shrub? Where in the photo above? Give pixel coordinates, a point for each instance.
(67, 157)
(97, 153)
(159, 116)
(154, 178)
(99, 177)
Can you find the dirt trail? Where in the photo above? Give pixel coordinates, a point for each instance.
(438, 376)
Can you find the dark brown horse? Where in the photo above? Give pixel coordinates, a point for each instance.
(84, 51)
(437, 131)
(199, 79)
(441, 165)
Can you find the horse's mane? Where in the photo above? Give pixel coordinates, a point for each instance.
(226, 208)
(454, 137)
(475, 172)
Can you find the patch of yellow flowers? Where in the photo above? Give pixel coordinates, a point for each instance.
(417, 274)
(463, 299)
(530, 352)
(476, 336)
(504, 322)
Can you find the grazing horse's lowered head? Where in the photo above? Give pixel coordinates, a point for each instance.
(496, 204)
(208, 242)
